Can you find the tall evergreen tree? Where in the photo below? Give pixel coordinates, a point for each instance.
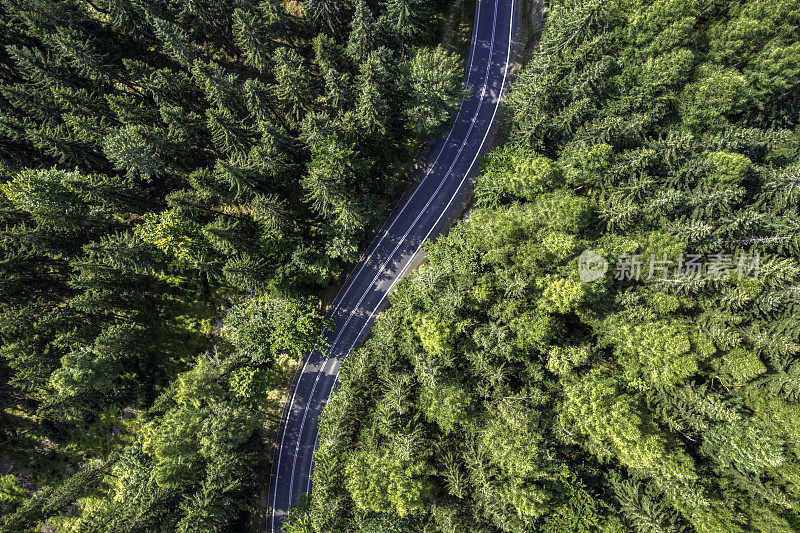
(363, 36)
(374, 92)
(434, 95)
(406, 18)
(292, 88)
(326, 15)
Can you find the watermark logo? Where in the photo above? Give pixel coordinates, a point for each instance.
(686, 267)
(591, 266)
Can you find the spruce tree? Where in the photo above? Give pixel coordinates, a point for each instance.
(406, 18)
(292, 87)
(326, 15)
(435, 94)
(251, 37)
(175, 41)
(374, 88)
(362, 38)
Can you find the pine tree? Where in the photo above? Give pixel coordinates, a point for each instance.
(124, 252)
(330, 54)
(362, 38)
(293, 88)
(373, 89)
(90, 377)
(49, 198)
(331, 176)
(434, 91)
(336, 71)
(251, 34)
(263, 105)
(270, 211)
(339, 91)
(139, 150)
(230, 135)
(407, 18)
(219, 86)
(228, 237)
(175, 42)
(785, 382)
(246, 273)
(640, 510)
(52, 500)
(326, 15)
(210, 20)
(746, 447)
(242, 180)
(82, 53)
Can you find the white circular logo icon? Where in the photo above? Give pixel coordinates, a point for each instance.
(591, 266)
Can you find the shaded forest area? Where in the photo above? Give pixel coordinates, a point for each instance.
(501, 393)
(180, 181)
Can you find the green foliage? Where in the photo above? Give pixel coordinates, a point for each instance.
(332, 182)
(268, 328)
(363, 36)
(383, 482)
(11, 494)
(292, 89)
(139, 150)
(514, 173)
(94, 375)
(175, 41)
(612, 419)
(52, 500)
(744, 446)
(742, 366)
(406, 18)
(717, 94)
(434, 336)
(249, 385)
(640, 510)
(434, 94)
(728, 169)
(325, 15)
(373, 86)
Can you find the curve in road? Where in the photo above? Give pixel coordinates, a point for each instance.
(435, 202)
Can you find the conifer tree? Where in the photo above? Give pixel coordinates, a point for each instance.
(406, 18)
(139, 150)
(175, 41)
(434, 89)
(326, 15)
(332, 174)
(159, 160)
(374, 92)
(251, 37)
(293, 88)
(91, 375)
(362, 38)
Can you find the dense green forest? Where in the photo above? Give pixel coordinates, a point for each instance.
(504, 391)
(180, 181)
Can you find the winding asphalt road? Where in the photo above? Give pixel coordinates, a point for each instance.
(437, 200)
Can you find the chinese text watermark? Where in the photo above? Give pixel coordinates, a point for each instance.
(685, 267)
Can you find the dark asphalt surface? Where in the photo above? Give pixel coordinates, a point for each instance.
(437, 200)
